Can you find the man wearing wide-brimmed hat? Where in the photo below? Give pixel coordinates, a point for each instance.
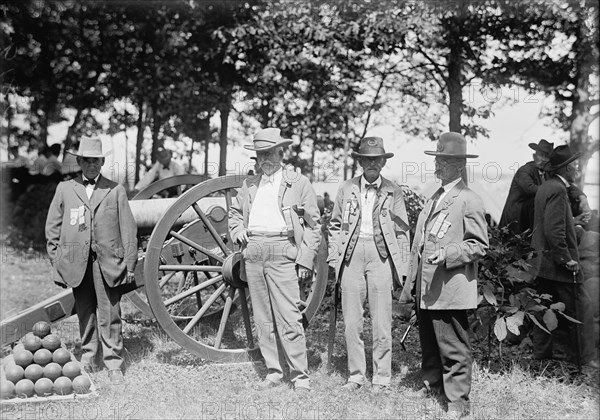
(92, 244)
(276, 220)
(369, 249)
(450, 237)
(555, 241)
(518, 209)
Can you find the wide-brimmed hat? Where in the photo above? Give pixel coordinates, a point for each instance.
(90, 147)
(267, 139)
(543, 146)
(559, 157)
(451, 145)
(371, 147)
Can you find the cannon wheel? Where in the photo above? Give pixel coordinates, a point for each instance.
(230, 337)
(138, 297)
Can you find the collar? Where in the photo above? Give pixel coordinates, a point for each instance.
(563, 180)
(451, 185)
(363, 182)
(85, 178)
(274, 178)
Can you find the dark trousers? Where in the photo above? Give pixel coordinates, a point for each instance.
(98, 308)
(565, 335)
(446, 351)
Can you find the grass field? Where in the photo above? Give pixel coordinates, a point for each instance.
(166, 382)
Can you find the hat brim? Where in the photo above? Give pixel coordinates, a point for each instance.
(537, 148)
(91, 155)
(459, 156)
(551, 168)
(371, 155)
(283, 143)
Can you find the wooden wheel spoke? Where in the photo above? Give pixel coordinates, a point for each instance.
(175, 267)
(165, 279)
(211, 229)
(246, 316)
(192, 290)
(196, 246)
(224, 317)
(204, 308)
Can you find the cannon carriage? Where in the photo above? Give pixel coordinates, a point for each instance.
(188, 273)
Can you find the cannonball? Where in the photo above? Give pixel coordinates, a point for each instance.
(41, 329)
(81, 384)
(42, 357)
(32, 342)
(24, 388)
(7, 389)
(52, 371)
(34, 372)
(14, 373)
(51, 342)
(44, 387)
(23, 358)
(63, 386)
(71, 370)
(61, 356)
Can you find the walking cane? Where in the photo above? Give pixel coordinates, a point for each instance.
(332, 324)
(575, 297)
(413, 320)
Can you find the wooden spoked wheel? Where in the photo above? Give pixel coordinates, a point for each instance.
(181, 183)
(197, 309)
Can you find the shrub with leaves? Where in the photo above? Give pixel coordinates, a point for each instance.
(508, 300)
(414, 204)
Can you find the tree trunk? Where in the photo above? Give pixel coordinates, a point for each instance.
(346, 147)
(140, 140)
(191, 156)
(156, 124)
(224, 111)
(70, 132)
(454, 80)
(206, 147)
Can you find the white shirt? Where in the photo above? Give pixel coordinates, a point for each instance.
(158, 171)
(564, 181)
(367, 201)
(447, 188)
(89, 188)
(265, 214)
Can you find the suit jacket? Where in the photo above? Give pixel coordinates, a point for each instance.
(554, 231)
(103, 224)
(295, 189)
(457, 225)
(393, 219)
(519, 207)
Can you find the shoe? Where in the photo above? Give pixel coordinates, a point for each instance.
(458, 410)
(116, 377)
(380, 389)
(429, 391)
(265, 384)
(350, 386)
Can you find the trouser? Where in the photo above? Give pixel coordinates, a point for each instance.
(99, 311)
(565, 335)
(446, 352)
(368, 277)
(275, 293)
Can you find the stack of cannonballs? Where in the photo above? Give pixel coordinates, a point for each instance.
(40, 366)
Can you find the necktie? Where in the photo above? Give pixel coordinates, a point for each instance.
(369, 187)
(377, 233)
(434, 199)
(87, 182)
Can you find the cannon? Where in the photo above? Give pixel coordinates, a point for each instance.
(188, 273)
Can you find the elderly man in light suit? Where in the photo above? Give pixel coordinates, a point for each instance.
(92, 244)
(451, 235)
(369, 248)
(276, 220)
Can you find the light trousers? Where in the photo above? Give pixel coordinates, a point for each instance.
(275, 293)
(367, 277)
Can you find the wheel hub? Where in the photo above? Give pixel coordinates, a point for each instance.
(232, 270)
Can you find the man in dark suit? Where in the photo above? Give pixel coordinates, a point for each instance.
(555, 241)
(92, 244)
(518, 210)
(451, 236)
